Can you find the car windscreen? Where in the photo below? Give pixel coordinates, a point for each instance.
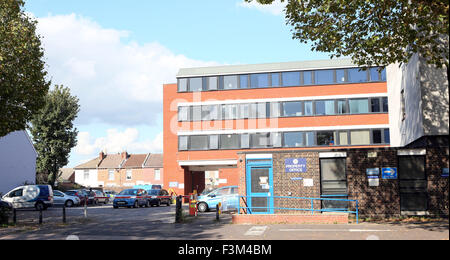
(71, 193)
(128, 192)
(153, 192)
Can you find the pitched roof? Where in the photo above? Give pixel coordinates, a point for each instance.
(92, 164)
(154, 160)
(135, 161)
(66, 173)
(111, 161)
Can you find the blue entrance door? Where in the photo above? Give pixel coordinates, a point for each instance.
(260, 187)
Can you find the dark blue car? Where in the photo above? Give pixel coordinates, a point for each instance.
(131, 198)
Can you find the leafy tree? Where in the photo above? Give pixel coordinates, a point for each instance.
(22, 75)
(372, 32)
(53, 132)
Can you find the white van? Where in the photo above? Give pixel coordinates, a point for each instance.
(30, 196)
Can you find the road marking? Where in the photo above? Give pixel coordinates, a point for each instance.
(256, 231)
(333, 230)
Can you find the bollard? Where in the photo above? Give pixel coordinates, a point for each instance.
(85, 207)
(14, 217)
(40, 216)
(178, 210)
(64, 214)
(217, 212)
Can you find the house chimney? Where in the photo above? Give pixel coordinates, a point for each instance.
(124, 155)
(101, 155)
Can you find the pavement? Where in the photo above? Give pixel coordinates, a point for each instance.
(158, 223)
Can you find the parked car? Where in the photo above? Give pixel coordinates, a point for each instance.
(228, 196)
(131, 198)
(100, 197)
(156, 187)
(61, 198)
(81, 194)
(91, 196)
(4, 205)
(154, 197)
(110, 194)
(38, 196)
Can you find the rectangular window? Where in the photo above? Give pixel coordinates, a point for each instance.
(357, 75)
(212, 83)
(325, 107)
(230, 82)
(111, 175)
(244, 111)
(293, 139)
(214, 113)
(290, 79)
(376, 136)
(385, 105)
(196, 113)
(361, 137)
(310, 139)
(276, 139)
(275, 79)
(245, 141)
(342, 107)
(260, 140)
(195, 84)
(275, 110)
(343, 138)
(199, 142)
(253, 110)
(359, 106)
(292, 108)
(387, 137)
(243, 81)
(183, 85)
(262, 110)
(229, 142)
(325, 138)
(308, 108)
(375, 105)
(374, 74)
(308, 78)
(157, 174)
(213, 142)
(183, 143)
(86, 175)
(229, 112)
(341, 76)
(129, 175)
(184, 113)
(259, 80)
(324, 77)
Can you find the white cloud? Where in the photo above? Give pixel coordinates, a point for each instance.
(116, 141)
(117, 82)
(276, 8)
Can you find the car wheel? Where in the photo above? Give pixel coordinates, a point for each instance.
(39, 206)
(69, 204)
(202, 207)
(115, 207)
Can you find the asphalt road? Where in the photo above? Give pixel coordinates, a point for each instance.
(157, 223)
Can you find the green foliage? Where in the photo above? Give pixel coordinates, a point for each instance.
(22, 75)
(53, 132)
(372, 32)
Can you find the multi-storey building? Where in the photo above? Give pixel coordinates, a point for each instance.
(311, 129)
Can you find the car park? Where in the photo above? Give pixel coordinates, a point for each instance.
(228, 196)
(60, 198)
(81, 194)
(131, 198)
(158, 197)
(110, 194)
(39, 197)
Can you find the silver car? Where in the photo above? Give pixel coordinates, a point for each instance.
(60, 198)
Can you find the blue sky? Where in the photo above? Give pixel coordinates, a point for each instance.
(115, 56)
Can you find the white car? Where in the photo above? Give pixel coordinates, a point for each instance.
(37, 196)
(60, 198)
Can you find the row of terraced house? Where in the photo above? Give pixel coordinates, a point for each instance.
(120, 171)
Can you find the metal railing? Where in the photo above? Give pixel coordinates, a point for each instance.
(248, 209)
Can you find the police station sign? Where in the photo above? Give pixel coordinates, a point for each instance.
(295, 165)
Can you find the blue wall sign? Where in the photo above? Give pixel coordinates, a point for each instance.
(389, 173)
(296, 178)
(373, 171)
(445, 172)
(295, 165)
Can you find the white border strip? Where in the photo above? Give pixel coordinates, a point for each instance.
(412, 152)
(332, 155)
(259, 156)
(276, 130)
(270, 100)
(207, 162)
